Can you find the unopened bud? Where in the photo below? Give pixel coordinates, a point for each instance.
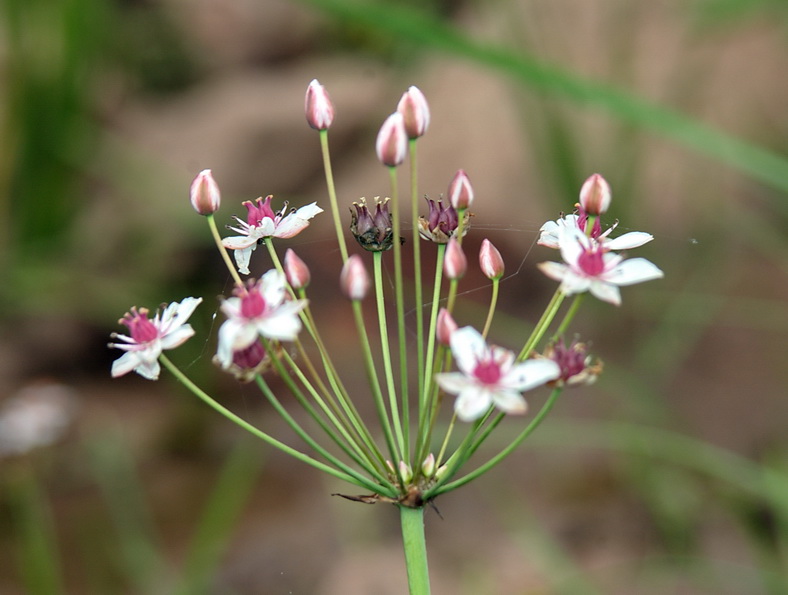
(296, 271)
(318, 106)
(428, 466)
(490, 260)
(595, 195)
(444, 327)
(460, 192)
(354, 279)
(392, 141)
(405, 472)
(454, 262)
(204, 193)
(415, 112)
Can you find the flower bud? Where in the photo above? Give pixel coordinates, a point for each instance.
(454, 262)
(354, 279)
(490, 260)
(428, 466)
(318, 106)
(595, 195)
(415, 112)
(405, 472)
(296, 271)
(445, 326)
(204, 193)
(392, 141)
(460, 192)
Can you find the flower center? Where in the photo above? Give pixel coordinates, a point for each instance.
(141, 329)
(592, 262)
(487, 372)
(252, 304)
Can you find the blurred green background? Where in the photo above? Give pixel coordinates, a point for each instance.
(668, 476)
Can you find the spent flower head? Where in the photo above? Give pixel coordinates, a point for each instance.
(262, 222)
(373, 231)
(578, 368)
(441, 223)
(148, 337)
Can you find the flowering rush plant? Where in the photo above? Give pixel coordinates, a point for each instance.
(430, 368)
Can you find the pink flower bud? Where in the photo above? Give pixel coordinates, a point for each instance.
(405, 472)
(415, 112)
(490, 260)
(445, 326)
(204, 193)
(354, 279)
(428, 466)
(392, 142)
(296, 271)
(460, 191)
(595, 195)
(454, 262)
(318, 106)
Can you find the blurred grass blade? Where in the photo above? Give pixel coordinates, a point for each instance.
(233, 488)
(422, 29)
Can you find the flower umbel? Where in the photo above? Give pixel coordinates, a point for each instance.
(489, 376)
(149, 337)
(260, 309)
(262, 222)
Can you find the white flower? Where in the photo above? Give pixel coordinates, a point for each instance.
(489, 376)
(589, 266)
(262, 222)
(550, 232)
(258, 310)
(36, 416)
(150, 337)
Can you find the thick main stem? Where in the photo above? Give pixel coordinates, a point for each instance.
(412, 521)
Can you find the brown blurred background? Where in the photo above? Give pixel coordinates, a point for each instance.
(111, 107)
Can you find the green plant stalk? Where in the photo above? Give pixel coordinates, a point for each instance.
(570, 314)
(374, 383)
(386, 351)
(222, 250)
(307, 438)
(412, 522)
(418, 290)
(544, 323)
(535, 422)
(493, 303)
(332, 193)
(399, 285)
(270, 440)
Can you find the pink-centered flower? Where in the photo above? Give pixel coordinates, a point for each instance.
(262, 222)
(489, 375)
(259, 309)
(590, 266)
(550, 232)
(147, 337)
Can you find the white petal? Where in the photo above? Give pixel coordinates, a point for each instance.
(472, 403)
(572, 242)
(234, 335)
(510, 401)
(176, 314)
(530, 374)
(238, 242)
(242, 258)
(273, 288)
(468, 347)
(453, 382)
(177, 336)
(633, 239)
(634, 270)
(607, 292)
(125, 364)
(149, 370)
(280, 326)
(554, 270)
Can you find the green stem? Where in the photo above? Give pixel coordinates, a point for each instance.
(412, 521)
(386, 351)
(222, 250)
(491, 311)
(414, 198)
(543, 324)
(442, 489)
(208, 400)
(570, 314)
(332, 193)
